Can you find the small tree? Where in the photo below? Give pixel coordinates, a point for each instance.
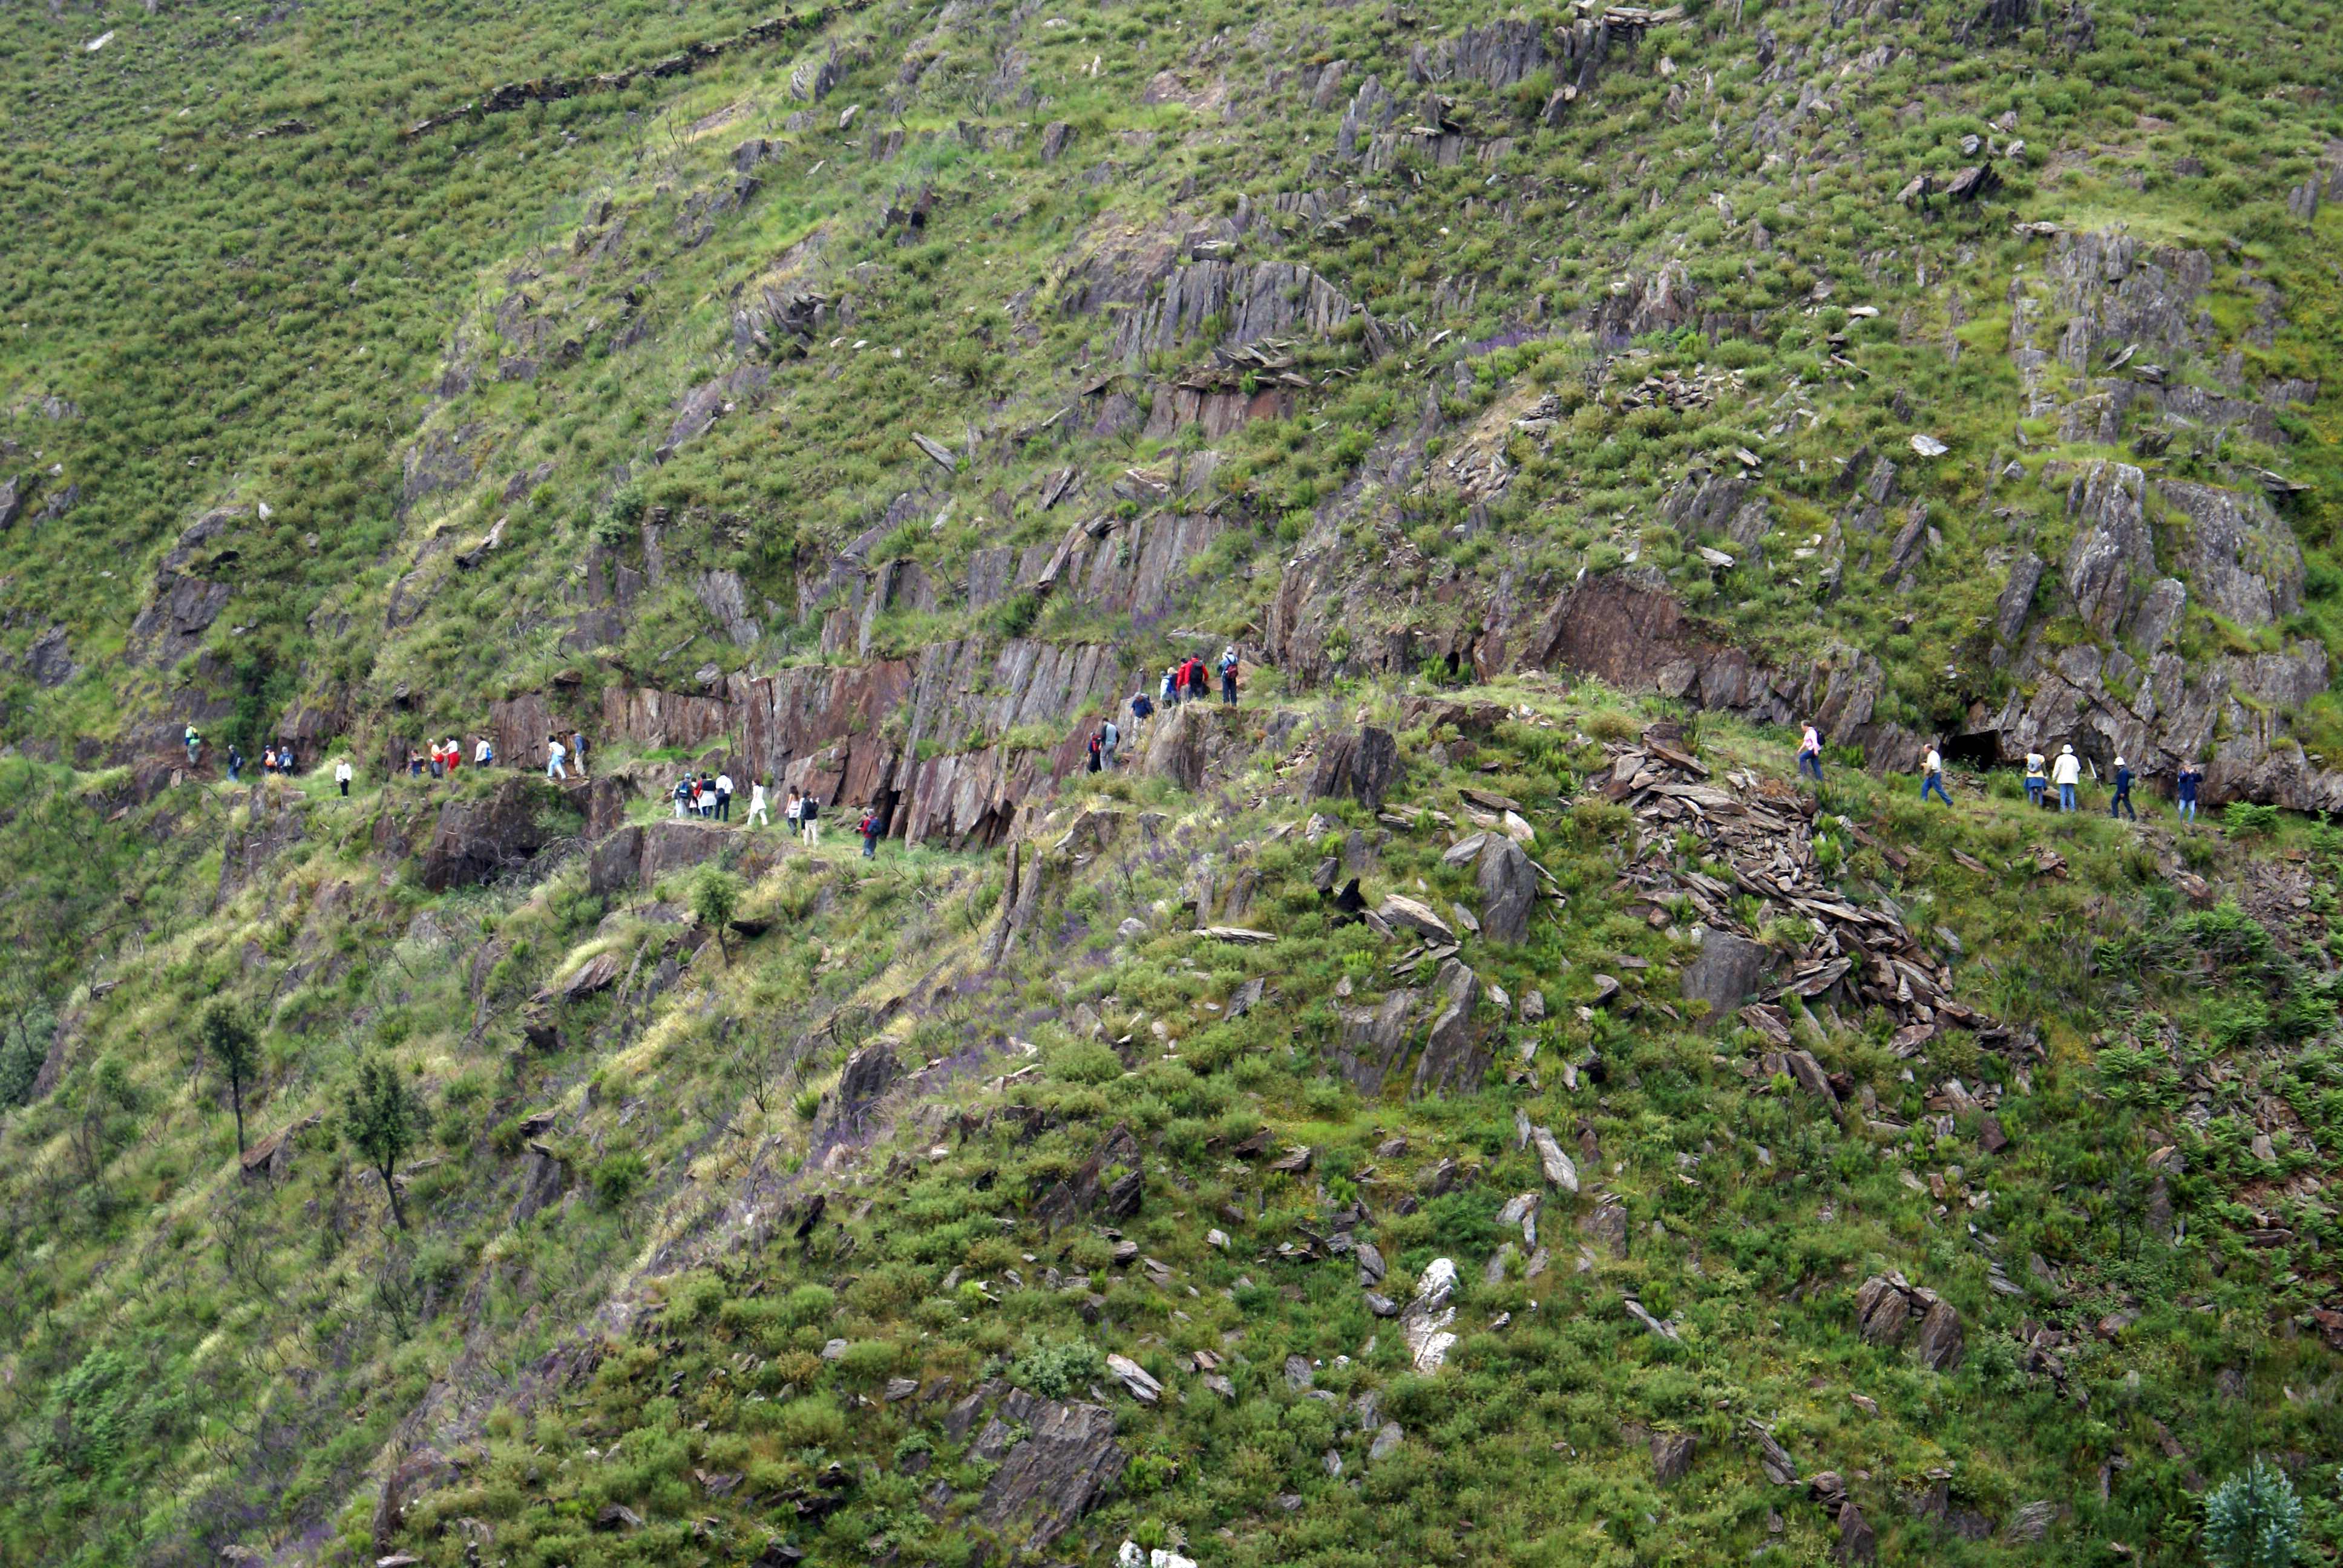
(232, 1048)
(2251, 1520)
(385, 1117)
(715, 898)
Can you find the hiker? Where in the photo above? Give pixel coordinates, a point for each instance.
(810, 813)
(724, 797)
(2037, 780)
(1229, 676)
(681, 794)
(554, 752)
(438, 760)
(1170, 686)
(1932, 776)
(285, 758)
(414, 763)
(578, 751)
(757, 805)
(1199, 684)
(484, 753)
(195, 744)
(267, 760)
(1142, 710)
(793, 813)
(455, 754)
(871, 831)
(235, 764)
(1110, 738)
(342, 777)
(2185, 787)
(1097, 744)
(2067, 772)
(2122, 800)
(1810, 753)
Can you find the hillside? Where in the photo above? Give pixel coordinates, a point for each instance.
(1468, 1102)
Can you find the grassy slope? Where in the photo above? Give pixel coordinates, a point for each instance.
(201, 1359)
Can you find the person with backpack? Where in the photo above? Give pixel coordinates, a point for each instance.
(438, 760)
(1110, 738)
(484, 753)
(2183, 787)
(1810, 753)
(1200, 686)
(757, 812)
(1097, 743)
(1932, 776)
(810, 814)
(235, 764)
(2037, 779)
(1142, 710)
(870, 832)
(342, 777)
(724, 797)
(2122, 800)
(1170, 686)
(2066, 773)
(682, 793)
(1229, 676)
(195, 745)
(578, 751)
(285, 758)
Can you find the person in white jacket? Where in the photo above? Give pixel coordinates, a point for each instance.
(2066, 773)
(1932, 777)
(757, 805)
(342, 777)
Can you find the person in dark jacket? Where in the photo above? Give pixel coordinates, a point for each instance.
(1229, 676)
(235, 764)
(1096, 747)
(2185, 787)
(870, 833)
(2122, 800)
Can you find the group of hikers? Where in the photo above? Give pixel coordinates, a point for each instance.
(2063, 772)
(1186, 682)
(279, 758)
(708, 796)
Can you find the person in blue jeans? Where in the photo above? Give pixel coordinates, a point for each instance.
(1810, 754)
(1932, 777)
(2066, 773)
(2122, 800)
(2185, 786)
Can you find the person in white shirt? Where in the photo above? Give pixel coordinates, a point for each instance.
(724, 797)
(1108, 738)
(342, 776)
(554, 752)
(757, 805)
(793, 814)
(2066, 773)
(1932, 776)
(483, 754)
(1810, 753)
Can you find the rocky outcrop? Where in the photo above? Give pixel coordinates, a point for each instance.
(1891, 1311)
(1066, 1463)
(2240, 558)
(1726, 973)
(1364, 765)
(1508, 889)
(676, 846)
(1373, 1041)
(273, 823)
(1454, 1059)
(1176, 750)
(864, 1080)
(1110, 1184)
(2114, 553)
(184, 601)
(479, 841)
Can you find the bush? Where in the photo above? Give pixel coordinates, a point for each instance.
(1057, 1367)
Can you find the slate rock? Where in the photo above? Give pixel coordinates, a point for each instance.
(1509, 891)
(1728, 972)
